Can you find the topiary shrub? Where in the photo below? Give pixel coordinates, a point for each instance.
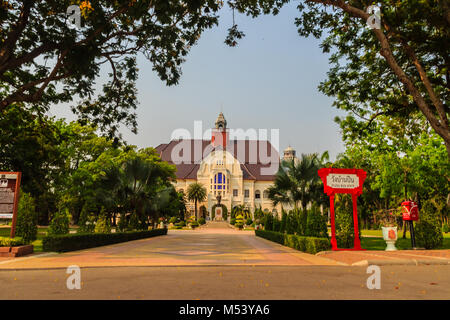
(268, 222)
(173, 220)
(60, 223)
(103, 224)
(302, 219)
(239, 221)
(26, 225)
(291, 223)
(445, 228)
(86, 223)
(428, 228)
(233, 221)
(194, 224)
(316, 225)
(201, 221)
(284, 219)
(249, 221)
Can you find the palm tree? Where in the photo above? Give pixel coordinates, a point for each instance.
(297, 181)
(196, 192)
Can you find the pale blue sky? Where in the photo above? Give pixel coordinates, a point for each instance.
(269, 81)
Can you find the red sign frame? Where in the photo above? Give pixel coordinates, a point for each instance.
(355, 192)
(16, 199)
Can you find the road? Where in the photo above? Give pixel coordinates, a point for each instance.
(211, 263)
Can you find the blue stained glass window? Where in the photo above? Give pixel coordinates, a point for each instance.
(219, 187)
(223, 179)
(220, 177)
(215, 179)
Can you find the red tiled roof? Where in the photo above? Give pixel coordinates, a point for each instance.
(251, 164)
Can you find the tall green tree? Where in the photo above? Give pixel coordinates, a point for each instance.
(397, 70)
(45, 58)
(196, 192)
(297, 182)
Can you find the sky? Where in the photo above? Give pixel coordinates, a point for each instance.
(269, 81)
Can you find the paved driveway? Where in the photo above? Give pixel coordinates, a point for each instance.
(213, 245)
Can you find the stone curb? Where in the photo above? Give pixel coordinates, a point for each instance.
(411, 262)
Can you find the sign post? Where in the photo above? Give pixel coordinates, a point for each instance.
(343, 181)
(9, 197)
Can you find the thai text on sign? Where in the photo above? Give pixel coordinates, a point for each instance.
(342, 181)
(7, 194)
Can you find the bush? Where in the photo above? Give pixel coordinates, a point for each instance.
(291, 223)
(445, 228)
(173, 220)
(276, 224)
(26, 225)
(71, 242)
(239, 221)
(8, 242)
(233, 221)
(316, 225)
(306, 244)
(302, 219)
(201, 221)
(249, 221)
(268, 222)
(428, 228)
(283, 221)
(122, 225)
(103, 224)
(60, 223)
(181, 224)
(86, 222)
(194, 224)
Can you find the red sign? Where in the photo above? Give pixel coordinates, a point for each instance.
(343, 181)
(410, 211)
(9, 197)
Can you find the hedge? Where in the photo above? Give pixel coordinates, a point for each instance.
(306, 244)
(77, 241)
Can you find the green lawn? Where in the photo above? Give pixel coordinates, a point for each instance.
(42, 231)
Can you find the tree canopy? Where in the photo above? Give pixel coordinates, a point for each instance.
(44, 59)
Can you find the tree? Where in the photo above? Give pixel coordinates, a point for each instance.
(297, 182)
(44, 59)
(26, 225)
(397, 70)
(196, 192)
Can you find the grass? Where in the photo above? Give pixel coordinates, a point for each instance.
(42, 231)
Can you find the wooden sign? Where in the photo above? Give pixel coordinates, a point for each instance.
(9, 197)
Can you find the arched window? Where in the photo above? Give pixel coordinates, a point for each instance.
(266, 194)
(221, 184)
(257, 194)
(181, 190)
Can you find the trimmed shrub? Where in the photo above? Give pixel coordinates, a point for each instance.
(428, 228)
(302, 219)
(268, 222)
(194, 224)
(60, 223)
(201, 221)
(239, 221)
(8, 242)
(26, 225)
(249, 221)
(72, 242)
(283, 221)
(86, 222)
(233, 221)
(291, 223)
(103, 224)
(306, 244)
(316, 225)
(173, 220)
(445, 228)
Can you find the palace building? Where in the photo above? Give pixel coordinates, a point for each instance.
(234, 171)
